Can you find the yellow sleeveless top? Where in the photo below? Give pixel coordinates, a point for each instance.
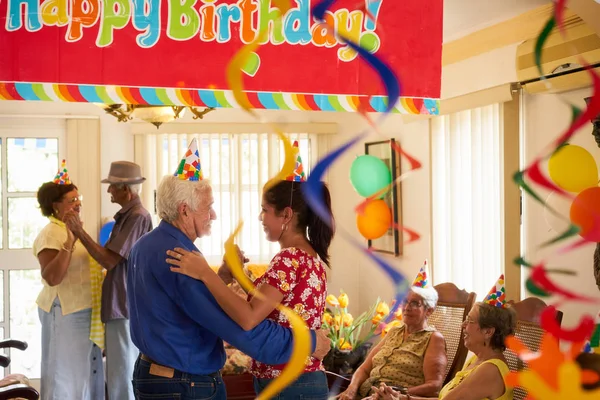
(460, 376)
(399, 362)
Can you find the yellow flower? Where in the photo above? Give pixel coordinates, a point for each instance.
(344, 345)
(390, 326)
(348, 320)
(399, 314)
(383, 309)
(337, 320)
(343, 300)
(285, 286)
(376, 319)
(332, 300)
(327, 319)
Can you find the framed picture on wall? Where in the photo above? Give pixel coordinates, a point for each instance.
(391, 242)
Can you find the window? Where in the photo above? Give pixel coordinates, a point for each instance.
(29, 156)
(238, 165)
(467, 179)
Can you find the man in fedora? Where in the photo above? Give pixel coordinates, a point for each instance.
(132, 221)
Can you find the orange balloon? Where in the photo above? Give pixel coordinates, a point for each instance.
(375, 221)
(585, 213)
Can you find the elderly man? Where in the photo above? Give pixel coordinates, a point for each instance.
(175, 321)
(132, 221)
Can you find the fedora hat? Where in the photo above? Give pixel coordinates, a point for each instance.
(124, 172)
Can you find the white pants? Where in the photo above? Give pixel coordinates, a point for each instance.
(121, 354)
(71, 363)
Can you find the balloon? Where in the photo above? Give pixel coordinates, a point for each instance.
(573, 168)
(375, 221)
(105, 232)
(585, 213)
(369, 175)
(560, 204)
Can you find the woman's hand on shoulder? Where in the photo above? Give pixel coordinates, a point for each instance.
(192, 264)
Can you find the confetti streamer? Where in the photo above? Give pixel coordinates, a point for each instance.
(302, 340)
(578, 334)
(541, 279)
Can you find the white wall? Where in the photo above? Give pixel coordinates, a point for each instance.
(116, 140)
(547, 115)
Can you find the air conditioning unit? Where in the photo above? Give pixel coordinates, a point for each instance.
(561, 59)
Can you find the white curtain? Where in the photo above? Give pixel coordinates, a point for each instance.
(468, 245)
(238, 165)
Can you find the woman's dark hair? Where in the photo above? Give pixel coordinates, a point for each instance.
(502, 319)
(50, 193)
(289, 194)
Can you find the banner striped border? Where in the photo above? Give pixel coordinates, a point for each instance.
(209, 98)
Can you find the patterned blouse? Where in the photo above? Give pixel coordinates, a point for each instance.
(399, 362)
(302, 280)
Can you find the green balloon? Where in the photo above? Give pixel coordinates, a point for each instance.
(369, 175)
(534, 289)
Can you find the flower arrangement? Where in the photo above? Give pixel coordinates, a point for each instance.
(345, 330)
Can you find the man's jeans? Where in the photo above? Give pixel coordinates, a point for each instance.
(309, 385)
(182, 385)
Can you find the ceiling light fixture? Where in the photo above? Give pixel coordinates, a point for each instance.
(156, 115)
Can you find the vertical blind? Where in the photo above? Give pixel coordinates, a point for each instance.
(237, 165)
(467, 156)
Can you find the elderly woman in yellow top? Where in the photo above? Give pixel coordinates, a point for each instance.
(486, 327)
(411, 356)
(71, 363)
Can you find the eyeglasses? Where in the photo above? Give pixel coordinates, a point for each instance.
(73, 199)
(411, 304)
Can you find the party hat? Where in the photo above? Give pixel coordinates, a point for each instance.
(298, 174)
(62, 176)
(421, 279)
(497, 295)
(189, 168)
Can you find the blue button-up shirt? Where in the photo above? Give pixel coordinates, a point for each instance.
(176, 321)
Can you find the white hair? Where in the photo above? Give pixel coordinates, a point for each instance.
(172, 192)
(135, 188)
(428, 294)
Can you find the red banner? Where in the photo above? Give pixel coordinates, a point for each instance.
(188, 44)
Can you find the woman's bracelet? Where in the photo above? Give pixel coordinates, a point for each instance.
(67, 249)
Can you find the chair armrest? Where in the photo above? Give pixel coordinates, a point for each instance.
(4, 361)
(17, 344)
(19, 391)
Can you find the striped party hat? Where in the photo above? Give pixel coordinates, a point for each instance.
(62, 176)
(497, 295)
(298, 174)
(421, 279)
(189, 168)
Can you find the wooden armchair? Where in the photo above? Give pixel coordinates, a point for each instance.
(452, 308)
(15, 386)
(529, 332)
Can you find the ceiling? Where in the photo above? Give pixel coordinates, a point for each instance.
(462, 17)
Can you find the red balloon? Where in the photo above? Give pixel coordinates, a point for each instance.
(585, 213)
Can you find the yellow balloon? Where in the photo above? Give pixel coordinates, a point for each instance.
(573, 168)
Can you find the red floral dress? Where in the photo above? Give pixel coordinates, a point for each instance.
(302, 280)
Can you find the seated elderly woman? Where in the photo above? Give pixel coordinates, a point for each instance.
(486, 327)
(411, 356)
